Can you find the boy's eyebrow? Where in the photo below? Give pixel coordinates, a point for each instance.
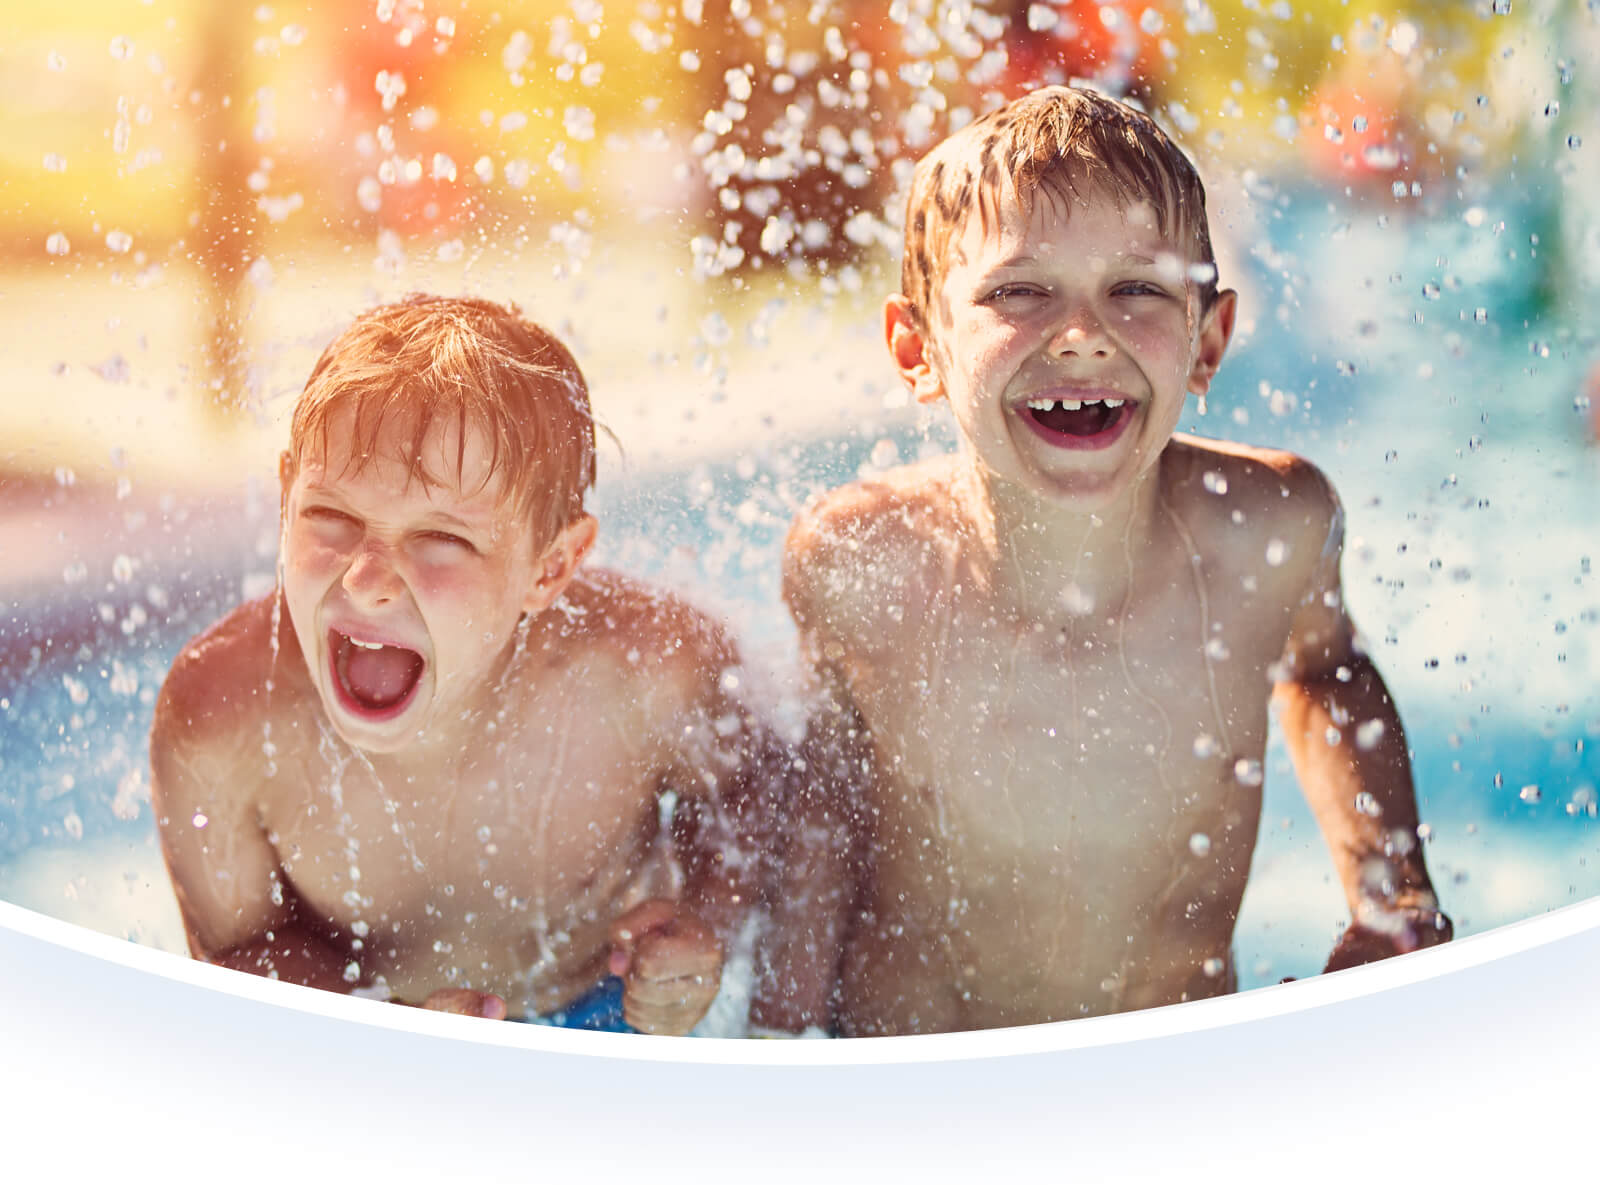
(445, 518)
(434, 515)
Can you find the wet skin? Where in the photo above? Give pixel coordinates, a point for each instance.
(488, 829)
(1045, 667)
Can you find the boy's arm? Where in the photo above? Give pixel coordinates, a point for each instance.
(724, 771)
(1349, 752)
(238, 907)
(814, 884)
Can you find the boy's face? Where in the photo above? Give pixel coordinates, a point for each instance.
(405, 595)
(1066, 340)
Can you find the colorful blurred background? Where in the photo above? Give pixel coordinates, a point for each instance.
(703, 198)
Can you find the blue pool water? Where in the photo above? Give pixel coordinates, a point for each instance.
(1442, 400)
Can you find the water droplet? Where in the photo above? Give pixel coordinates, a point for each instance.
(1247, 772)
(1041, 17)
(776, 234)
(121, 48)
(119, 241)
(1205, 745)
(1369, 733)
(199, 820)
(1214, 482)
(1574, 141)
(1367, 804)
(1212, 967)
(885, 454)
(1530, 793)
(1277, 552)
(578, 123)
(1502, 7)
(57, 244)
(1200, 843)
(1382, 158)
(1077, 601)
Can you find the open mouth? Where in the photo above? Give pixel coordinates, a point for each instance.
(375, 680)
(1079, 423)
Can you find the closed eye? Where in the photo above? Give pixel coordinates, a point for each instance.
(447, 537)
(326, 514)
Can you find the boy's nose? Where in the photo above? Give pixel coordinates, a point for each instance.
(371, 578)
(1083, 337)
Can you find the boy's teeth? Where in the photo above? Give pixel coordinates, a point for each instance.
(366, 645)
(1071, 404)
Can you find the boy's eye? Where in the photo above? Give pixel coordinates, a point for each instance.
(1138, 288)
(1013, 291)
(328, 515)
(445, 537)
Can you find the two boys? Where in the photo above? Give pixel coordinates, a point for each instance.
(1032, 786)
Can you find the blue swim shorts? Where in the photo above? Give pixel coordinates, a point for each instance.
(598, 1010)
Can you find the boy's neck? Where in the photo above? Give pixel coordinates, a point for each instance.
(1049, 562)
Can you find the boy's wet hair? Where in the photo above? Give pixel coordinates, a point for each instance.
(1067, 142)
(430, 363)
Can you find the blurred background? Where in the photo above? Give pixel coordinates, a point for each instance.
(704, 199)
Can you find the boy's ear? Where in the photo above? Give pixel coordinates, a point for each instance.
(560, 563)
(1215, 334)
(909, 349)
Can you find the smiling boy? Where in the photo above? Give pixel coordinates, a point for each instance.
(437, 758)
(1046, 662)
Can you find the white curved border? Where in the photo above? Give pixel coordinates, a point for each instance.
(1478, 1057)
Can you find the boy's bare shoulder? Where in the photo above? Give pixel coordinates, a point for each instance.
(1265, 510)
(1282, 489)
(901, 506)
(641, 628)
(215, 695)
(859, 547)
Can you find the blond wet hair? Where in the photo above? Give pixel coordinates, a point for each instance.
(1066, 142)
(428, 363)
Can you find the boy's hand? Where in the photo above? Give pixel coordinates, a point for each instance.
(1388, 933)
(670, 963)
(466, 1002)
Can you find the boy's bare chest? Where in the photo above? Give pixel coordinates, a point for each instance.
(545, 823)
(1094, 747)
